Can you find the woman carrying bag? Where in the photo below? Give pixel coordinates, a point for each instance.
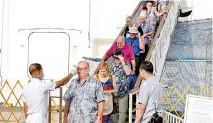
(109, 87)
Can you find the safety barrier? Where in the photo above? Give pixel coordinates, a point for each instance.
(9, 112)
(13, 112)
(131, 110)
(59, 109)
(170, 103)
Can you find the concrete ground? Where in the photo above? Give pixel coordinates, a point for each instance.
(6, 113)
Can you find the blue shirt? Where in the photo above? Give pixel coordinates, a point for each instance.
(84, 100)
(134, 43)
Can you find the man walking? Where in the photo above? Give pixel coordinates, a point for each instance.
(150, 96)
(84, 98)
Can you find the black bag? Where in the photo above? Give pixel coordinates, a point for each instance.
(156, 118)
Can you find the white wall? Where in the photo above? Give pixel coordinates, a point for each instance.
(202, 9)
(107, 15)
(26, 14)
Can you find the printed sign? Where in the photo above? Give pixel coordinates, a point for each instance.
(198, 109)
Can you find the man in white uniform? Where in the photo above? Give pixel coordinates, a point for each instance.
(35, 94)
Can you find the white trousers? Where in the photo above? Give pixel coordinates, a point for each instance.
(36, 118)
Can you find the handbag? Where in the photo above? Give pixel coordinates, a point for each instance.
(156, 118)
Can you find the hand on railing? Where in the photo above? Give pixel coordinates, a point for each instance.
(134, 90)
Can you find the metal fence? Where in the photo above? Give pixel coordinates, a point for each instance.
(9, 112)
(13, 112)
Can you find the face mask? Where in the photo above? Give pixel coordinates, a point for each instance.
(42, 77)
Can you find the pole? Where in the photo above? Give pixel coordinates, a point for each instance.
(60, 104)
(49, 119)
(89, 23)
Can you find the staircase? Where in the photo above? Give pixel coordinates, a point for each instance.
(160, 53)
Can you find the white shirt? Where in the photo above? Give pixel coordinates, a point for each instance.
(35, 95)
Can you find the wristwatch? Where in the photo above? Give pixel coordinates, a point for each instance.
(99, 118)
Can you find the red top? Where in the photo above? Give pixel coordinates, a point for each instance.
(127, 50)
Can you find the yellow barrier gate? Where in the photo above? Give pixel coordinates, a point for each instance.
(181, 97)
(59, 109)
(14, 112)
(8, 112)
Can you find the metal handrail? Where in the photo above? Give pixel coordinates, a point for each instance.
(134, 14)
(153, 44)
(158, 31)
(131, 110)
(171, 118)
(135, 91)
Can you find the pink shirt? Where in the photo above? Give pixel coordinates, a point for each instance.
(127, 50)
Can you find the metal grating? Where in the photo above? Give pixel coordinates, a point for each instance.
(192, 41)
(188, 63)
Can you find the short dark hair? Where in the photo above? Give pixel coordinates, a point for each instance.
(147, 66)
(118, 52)
(34, 67)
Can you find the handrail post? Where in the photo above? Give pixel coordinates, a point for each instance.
(130, 108)
(137, 97)
(49, 118)
(60, 104)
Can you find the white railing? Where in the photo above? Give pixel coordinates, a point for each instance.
(167, 117)
(171, 118)
(131, 110)
(161, 45)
